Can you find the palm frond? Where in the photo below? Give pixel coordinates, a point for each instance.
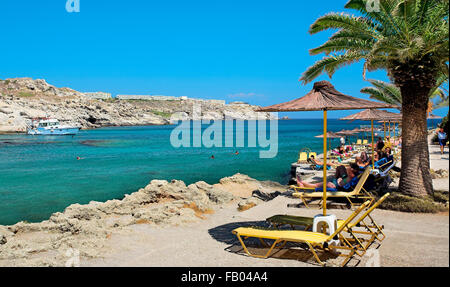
(329, 64)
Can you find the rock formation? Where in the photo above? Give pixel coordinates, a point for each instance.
(24, 98)
(87, 227)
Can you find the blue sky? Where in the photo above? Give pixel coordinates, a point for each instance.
(246, 50)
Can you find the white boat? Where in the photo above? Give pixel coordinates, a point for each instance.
(47, 126)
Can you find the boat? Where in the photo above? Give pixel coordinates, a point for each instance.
(49, 126)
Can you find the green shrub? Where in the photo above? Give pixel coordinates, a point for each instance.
(440, 196)
(404, 203)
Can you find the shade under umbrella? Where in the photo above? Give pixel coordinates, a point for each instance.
(324, 97)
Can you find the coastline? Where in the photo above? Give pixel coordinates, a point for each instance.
(87, 227)
(102, 231)
(22, 99)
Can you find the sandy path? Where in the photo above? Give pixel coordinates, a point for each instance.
(412, 240)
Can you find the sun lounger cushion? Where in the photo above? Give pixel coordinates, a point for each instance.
(329, 189)
(291, 235)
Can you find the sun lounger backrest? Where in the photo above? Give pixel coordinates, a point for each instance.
(385, 172)
(348, 220)
(313, 153)
(303, 156)
(362, 181)
(372, 208)
(358, 141)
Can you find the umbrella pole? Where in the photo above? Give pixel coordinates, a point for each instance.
(373, 152)
(389, 128)
(324, 188)
(384, 128)
(394, 133)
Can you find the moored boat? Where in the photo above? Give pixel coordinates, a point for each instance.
(48, 126)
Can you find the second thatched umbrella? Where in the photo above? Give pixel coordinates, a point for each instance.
(324, 97)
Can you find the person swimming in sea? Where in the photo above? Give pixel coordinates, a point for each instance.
(212, 157)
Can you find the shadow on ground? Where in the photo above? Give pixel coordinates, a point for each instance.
(291, 251)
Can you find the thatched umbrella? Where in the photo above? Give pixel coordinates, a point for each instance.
(346, 132)
(324, 97)
(371, 115)
(330, 135)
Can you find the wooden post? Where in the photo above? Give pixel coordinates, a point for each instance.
(324, 188)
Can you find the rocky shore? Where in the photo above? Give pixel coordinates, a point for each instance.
(24, 98)
(86, 228)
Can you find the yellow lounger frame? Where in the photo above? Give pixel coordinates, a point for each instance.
(372, 228)
(314, 240)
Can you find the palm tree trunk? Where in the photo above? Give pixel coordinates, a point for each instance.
(415, 178)
(415, 78)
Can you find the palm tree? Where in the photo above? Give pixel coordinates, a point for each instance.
(407, 38)
(384, 92)
(391, 94)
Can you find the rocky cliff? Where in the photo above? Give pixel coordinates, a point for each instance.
(24, 98)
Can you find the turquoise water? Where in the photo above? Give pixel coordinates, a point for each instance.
(40, 175)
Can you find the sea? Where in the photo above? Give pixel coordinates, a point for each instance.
(40, 175)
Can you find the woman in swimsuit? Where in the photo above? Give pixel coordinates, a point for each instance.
(342, 177)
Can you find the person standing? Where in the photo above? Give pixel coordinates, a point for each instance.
(442, 136)
(380, 144)
(342, 141)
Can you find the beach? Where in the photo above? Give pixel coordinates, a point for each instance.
(171, 224)
(224, 134)
(214, 245)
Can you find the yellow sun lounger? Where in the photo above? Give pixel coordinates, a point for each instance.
(314, 240)
(305, 193)
(358, 142)
(365, 142)
(372, 229)
(302, 157)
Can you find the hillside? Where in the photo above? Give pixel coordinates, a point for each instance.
(24, 98)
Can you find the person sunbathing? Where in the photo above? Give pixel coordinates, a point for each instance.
(342, 177)
(319, 164)
(361, 164)
(341, 153)
(364, 157)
